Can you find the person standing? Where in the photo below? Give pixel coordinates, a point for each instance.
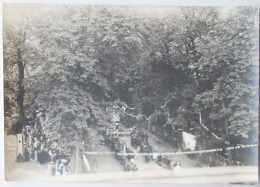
(51, 168)
(61, 168)
(95, 166)
(26, 155)
(57, 168)
(177, 168)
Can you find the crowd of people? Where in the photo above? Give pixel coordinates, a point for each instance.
(38, 148)
(59, 168)
(127, 161)
(35, 146)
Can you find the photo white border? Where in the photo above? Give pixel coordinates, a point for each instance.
(3, 183)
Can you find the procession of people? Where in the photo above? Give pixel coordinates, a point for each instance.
(38, 148)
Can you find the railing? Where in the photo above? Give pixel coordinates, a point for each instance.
(175, 153)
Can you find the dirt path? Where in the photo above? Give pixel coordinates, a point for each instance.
(160, 146)
(105, 163)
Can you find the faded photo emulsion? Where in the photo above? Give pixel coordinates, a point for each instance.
(127, 93)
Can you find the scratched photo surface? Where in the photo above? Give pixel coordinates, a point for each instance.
(150, 94)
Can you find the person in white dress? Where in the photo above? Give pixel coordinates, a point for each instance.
(177, 168)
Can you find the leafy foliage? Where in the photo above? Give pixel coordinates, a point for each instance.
(83, 60)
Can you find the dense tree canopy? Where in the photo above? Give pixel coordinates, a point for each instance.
(190, 67)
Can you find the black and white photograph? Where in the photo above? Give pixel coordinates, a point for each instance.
(157, 94)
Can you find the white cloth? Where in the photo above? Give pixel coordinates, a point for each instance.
(189, 141)
(177, 169)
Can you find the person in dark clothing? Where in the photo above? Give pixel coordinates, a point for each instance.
(147, 159)
(26, 155)
(224, 152)
(159, 158)
(44, 157)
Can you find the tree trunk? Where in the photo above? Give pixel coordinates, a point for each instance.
(149, 125)
(225, 122)
(200, 118)
(76, 161)
(20, 103)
